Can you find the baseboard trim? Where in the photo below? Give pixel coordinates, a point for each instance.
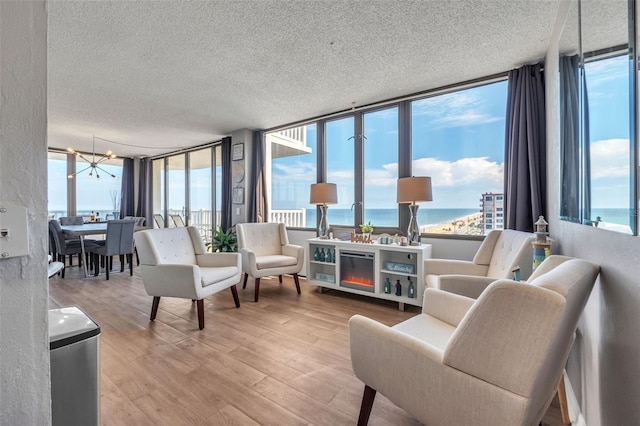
(575, 414)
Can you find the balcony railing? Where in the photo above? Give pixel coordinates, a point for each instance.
(202, 219)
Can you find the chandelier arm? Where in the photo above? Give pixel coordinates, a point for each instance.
(110, 174)
(103, 159)
(86, 168)
(83, 157)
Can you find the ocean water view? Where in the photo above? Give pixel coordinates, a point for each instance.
(389, 217)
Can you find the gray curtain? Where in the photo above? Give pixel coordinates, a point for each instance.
(570, 138)
(127, 200)
(145, 191)
(525, 148)
(256, 190)
(226, 210)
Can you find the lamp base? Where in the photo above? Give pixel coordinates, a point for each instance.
(413, 231)
(323, 226)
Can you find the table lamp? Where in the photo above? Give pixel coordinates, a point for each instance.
(412, 190)
(323, 194)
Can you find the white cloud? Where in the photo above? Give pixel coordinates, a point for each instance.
(477, 171)
(454, 110)
(610, 158)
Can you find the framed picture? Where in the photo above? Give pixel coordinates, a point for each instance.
(237, 196)
(237, 152)
(341, 233)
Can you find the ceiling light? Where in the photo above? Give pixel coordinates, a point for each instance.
(94, 166)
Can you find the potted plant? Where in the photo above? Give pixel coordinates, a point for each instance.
(224, 241)
(366, 228)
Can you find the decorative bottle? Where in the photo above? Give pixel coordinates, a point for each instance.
(411, 291)
(316, 254)
(329, 257)
(92, 217)
(97, 216)
(387, 286)
(398, 288)
(323, 256)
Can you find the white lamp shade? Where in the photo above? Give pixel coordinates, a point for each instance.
(323, 193)
(414, 189)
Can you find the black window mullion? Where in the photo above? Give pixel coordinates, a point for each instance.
(358, 168)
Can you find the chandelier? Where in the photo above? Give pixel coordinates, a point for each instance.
(94, 166)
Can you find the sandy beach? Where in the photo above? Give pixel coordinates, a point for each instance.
(466, 225)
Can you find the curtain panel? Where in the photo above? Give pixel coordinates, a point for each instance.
(257, 195)
(145, 191)
(127, 189)
(570, 138)
(525, 148)
(226, 209)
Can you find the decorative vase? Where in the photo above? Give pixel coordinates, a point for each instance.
(116, 215)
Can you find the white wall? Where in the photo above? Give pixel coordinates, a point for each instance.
(25, 397)
(604, 364)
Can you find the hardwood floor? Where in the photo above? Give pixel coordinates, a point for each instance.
(281, 361)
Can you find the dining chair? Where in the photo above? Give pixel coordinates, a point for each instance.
(140, 221)
(71, 220)
(119, 241)
(159, 220)
(62, 247)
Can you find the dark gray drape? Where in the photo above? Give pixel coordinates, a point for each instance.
(525, 152)
(570, 138)
(586, 154)
(256, 190)
(226, 210)
(127, 200)
(145, 191)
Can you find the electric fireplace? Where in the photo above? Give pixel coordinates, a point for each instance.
(357, 270)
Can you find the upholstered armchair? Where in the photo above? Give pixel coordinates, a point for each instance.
(266, 251)
(175, 263)
(499, 254)
(496, 360)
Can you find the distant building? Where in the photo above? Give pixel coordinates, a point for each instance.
(492, 209)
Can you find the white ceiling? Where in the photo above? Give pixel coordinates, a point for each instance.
(157, 76)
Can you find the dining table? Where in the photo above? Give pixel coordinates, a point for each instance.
(91, 228)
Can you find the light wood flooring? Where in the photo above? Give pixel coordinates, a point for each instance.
(281, 361)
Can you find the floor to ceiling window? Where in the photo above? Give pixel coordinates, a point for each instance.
(340, 160)
(187, 189)
(291, 168)
(455, 137)
(88, 190)
(458, 140)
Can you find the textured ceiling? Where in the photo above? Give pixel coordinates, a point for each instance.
(156, 76)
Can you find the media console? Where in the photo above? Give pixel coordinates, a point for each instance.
(374, 270)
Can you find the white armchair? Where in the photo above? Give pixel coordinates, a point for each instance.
(175, 263)
(494, 361)
(499, 254)
(266, 251)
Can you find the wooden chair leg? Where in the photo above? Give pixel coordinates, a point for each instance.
(130, 257)
(137, 257)
(200, 314)
(562, 398)
(367, 403)
(97, 262)
(122, 263)
(280, 279)
(109, 263)
(257, 291)
(244, 283)
(295, 279)
(154, 307)
(234, 292)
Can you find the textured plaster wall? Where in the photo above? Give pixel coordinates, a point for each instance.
(605, 360)
(25, 397)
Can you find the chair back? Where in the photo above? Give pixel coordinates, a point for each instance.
(177, 221)
(71, 220)
(159, 220)
(169, 246)
(504, 250)
(119, 239)
(139, 219)
(57, 237)
(264, 239)
(518, 336)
